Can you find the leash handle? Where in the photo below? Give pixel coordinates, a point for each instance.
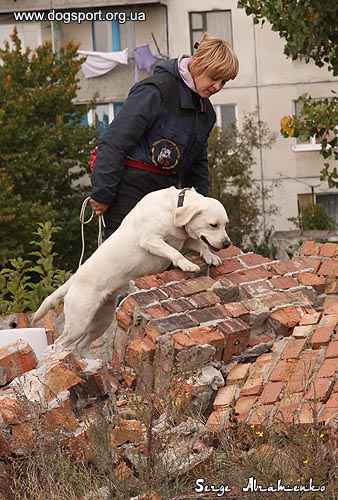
(83, 222)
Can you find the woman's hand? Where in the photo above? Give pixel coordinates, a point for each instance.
(99, 208)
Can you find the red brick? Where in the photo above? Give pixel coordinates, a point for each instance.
(194, 285)
(329, 268)
(333, 400)
(289, 266)
(332, 350)
(254, 259)
(176, 305)
(296, 382)
(225, 397)
(277, 299)
(218, 421)
(321, 336)
(211, 336)
(139, 351)
(282, 321)
(283, 282)
(319, 389)
(310, 248)
(329, 320)
(331, 306)
(328, 415)
(227, 266)
(310, 319)
(271, 393)
(127, 431)
(287, 407)
(329, 250)
(247, 275)
(16, 358)
(243, 406)
(310, 279)
(331, 286)
(255, 289)
(293, 348)
(236, 334)
(120, 342)
(282, 370)
(231, 251)
(161, 279)
(156, 312)
(254, 383)
(205, 299)
(158, 327)
(309, 412)
(260, 415)
(236, 310)
(303, 332)
(260, 338)
(60, 417)
(306, 363)
(11, 411)
(328, 368)
(238, 374)
(209, 314)
(59, 378)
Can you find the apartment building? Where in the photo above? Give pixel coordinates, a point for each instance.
(267, 81)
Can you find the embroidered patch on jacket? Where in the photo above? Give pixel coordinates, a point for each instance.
(165, 154)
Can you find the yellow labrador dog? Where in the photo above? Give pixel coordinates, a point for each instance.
(149, 238)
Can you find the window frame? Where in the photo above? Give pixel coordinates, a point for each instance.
(204, 28)
(217, 109)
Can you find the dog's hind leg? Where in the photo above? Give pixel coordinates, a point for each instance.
(101, 321)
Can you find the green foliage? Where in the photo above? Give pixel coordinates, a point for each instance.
(308, 26)
(309, 29)
(44, 148)
(231, 158)
(314, 217)
(24, 284)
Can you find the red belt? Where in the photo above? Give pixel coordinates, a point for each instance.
(143, 166)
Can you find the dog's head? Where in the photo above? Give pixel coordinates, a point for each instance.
(204, 219)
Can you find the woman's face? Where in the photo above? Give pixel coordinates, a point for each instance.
(207, 86)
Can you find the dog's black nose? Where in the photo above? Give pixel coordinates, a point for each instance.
(226, 243)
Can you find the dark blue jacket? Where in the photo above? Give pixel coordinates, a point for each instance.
(168, 130)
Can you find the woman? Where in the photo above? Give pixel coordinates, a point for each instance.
(159, 138)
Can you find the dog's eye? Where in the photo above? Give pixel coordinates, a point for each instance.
(213, 225)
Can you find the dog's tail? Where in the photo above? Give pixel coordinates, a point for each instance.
(52, 301)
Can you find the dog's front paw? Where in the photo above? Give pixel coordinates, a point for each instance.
(211, 258)
(186, 265)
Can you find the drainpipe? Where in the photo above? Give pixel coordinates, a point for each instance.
(259, 132)
(52, 29)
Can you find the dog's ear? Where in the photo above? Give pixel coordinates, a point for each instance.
(184, 214)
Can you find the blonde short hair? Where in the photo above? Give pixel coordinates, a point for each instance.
(214, 57)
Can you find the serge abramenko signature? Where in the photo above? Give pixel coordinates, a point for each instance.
(253, 486)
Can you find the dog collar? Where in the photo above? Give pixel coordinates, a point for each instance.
(181, 196)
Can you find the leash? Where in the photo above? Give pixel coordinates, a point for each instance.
(84, 222)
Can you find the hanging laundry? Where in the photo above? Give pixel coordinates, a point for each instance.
(144, 59)
(99, 63)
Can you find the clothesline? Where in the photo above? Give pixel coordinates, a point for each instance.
(100, 63)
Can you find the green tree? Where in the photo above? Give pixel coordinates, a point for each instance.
(309, 28)
(44, 148)
(314, 216)
(231, 159)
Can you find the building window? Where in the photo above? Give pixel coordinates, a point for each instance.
(311, 144)
(102, 115)
(330, 202)
(112, 36)
(29, 34)
(225, 115)
(216, 22)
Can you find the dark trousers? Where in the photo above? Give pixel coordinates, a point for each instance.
(134, 184)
